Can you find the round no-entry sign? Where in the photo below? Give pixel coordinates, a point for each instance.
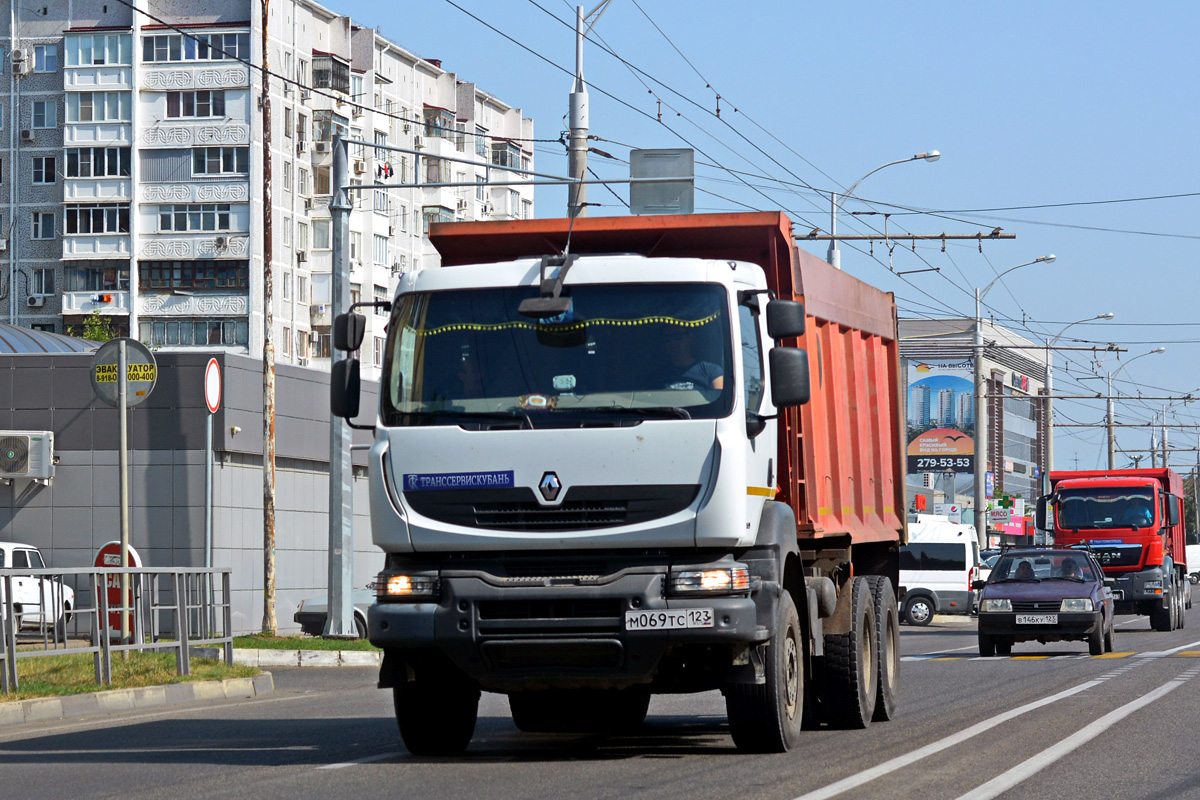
(212, 385)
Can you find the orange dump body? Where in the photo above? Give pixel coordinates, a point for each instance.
(839, 456)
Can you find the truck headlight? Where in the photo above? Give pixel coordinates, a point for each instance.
(997, 604)
(1153, 585)
(390, 587)
(727, 580)
(1076, 604)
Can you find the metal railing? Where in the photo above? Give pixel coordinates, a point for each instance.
(169, 608)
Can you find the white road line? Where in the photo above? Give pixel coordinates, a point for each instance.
(1007, 780)
(364, 760)
(866, 776)
(1172, 651)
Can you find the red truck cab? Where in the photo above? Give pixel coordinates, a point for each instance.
(1132, 522)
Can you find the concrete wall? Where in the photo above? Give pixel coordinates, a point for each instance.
(78, 512)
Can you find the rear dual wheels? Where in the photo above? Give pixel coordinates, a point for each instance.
(851, 667)
(887, 619)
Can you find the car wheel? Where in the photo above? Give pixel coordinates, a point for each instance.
(987, 645)
(1003, 646)
(1096, 640)
(1110, 636)
(919, 611)
(360, 627)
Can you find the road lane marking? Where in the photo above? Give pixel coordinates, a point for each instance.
(1026, 769)
(363, 760)
(1171, 652)
(868, 775)
(1115, 655)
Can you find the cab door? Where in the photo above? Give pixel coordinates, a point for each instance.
(761, 469)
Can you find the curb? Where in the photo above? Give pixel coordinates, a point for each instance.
(45, 709)
(303, 658)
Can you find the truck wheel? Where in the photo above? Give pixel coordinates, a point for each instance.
(1003, 646)
(987, 645)
(579, 710)
(918, 611)
(887, 620)
(436, 716)
(766, 718)
(851, 663)
(1096, 640)
(1160, 618)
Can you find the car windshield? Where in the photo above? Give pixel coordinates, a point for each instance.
(1042, 567)
(619, 355)
(1102, 507)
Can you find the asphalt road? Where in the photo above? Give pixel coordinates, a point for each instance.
(1050, 721)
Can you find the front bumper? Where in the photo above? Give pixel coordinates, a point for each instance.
(515, 637)
(1071, 626)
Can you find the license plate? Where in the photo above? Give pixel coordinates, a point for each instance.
(1118, 594)
(1037, 619)
(668, 620)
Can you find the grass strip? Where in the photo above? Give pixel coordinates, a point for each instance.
(259, 641)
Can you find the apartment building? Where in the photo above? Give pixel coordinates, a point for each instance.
(133, 178)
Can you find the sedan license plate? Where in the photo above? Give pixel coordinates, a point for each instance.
(668, 620)
(1037, 619)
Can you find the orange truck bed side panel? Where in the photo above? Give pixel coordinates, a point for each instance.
(840, 462)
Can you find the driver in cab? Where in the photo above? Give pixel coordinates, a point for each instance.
(689, 371)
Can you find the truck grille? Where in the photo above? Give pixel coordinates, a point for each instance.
(1121, 555)
(583, 507)
(550, 609)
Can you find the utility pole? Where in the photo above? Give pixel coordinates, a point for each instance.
(578, 116)
(269, 624)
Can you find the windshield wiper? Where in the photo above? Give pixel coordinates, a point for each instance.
(674, 412)
(461, 414)
(1019, 580)
(1075, 578)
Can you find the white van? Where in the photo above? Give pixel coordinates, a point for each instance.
(937, 567)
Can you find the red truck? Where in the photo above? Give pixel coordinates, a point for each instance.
(1132, 520)
(573, 516)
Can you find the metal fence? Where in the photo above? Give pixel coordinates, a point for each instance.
(55, 612)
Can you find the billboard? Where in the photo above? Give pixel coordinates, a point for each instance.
(941, 417)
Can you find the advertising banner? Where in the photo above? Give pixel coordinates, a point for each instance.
(941, 417)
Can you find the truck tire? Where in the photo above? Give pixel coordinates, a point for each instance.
(918, 611)
(1161, 618)
(887, 620)
(987, 645)
(851, 663)
(766, 718)
(579, 710)
(436, 716)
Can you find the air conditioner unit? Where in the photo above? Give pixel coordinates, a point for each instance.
(308, 204)
(322, 147)
(301, 256)
(357, 112)
(314, 337)
(20, 54)
(391, 230)
(359, 167)
(301, 148)
(26, 135)
(3, 245)
(418, 141)
(302, 361)
(35, 301)
(305, 94)
(287, 90)
(462, 205)
(22, 63)
(27, 454)
(488, 208)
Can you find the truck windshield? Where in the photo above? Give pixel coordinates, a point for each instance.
(621, 354)
(1105, 507)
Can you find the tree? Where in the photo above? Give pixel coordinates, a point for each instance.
(1189, 509)
(98, 328)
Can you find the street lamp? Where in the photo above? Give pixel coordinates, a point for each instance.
(835, 201)
(1112, 435)
(1050, 390)
(981, 427)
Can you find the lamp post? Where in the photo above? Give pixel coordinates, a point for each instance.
(834, 257)
(1112, 434)
(981, 426)
(1050, 390)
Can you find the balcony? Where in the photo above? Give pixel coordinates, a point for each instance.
(185, 75)
(100, 245)
(106, 302)
(188, 246)
(98, 189)
(320, 315)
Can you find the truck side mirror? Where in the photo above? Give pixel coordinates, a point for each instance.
(785, 319)
(789, 376)
(1039, 516)
(344, 393)
(348, 331)
(1173, 514)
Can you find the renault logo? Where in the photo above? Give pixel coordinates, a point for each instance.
(550, 486)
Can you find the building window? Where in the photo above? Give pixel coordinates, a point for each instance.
(97, 276)
(45, 114)
(99, 106)
(481, 147)
(45, 327)
(301, 289)
(506, 154)
(287, 232)
(356, 88)
(355, 246)
(218, 275)
(480, 188)
(86, 51)
(287, 341)
(43, 169)
(302, 128)
(195, 217)
(327, 124)
(381, 201)
(1, 111)
(43, 281)
(302, 182)
(321, 234)
(324, 179)
(379, 347)
(287, 122)
(188, 331)
(43, 225)
(221, 161)
(330, 72)
(435, 214)
(197, 47)
(196, 104)
(355, 293)
(98, 162)
(302, 236)
(287, 286)
(45, 58)
(381, 138)
(381, 249)
(381, 295)
(439, 122)
(101, 218)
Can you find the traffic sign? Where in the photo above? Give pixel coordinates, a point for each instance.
(141, 372)
(212, 386)
(109, 556)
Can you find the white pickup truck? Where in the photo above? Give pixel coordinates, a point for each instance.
(30, 593)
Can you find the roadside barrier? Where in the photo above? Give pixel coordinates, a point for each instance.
(53, 612)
